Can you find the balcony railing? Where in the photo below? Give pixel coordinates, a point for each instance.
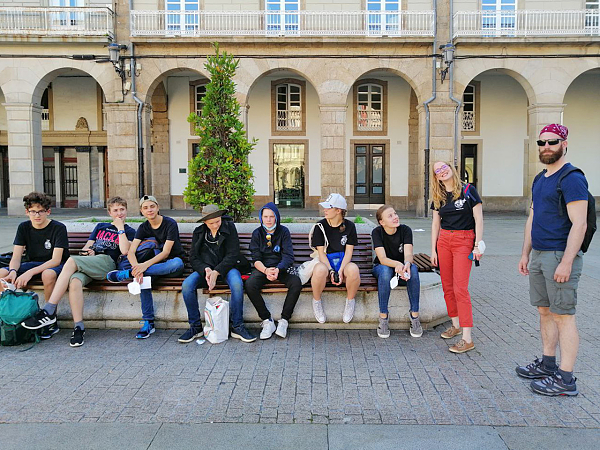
(289, 120)
(527, 23)
(57, 21)
(45, 120)
(281, 23)
(369, 121)
(468, 121)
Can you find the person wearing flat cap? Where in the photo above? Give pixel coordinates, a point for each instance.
(166, 262)
(215, 252)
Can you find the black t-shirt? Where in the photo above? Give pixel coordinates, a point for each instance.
(106, 237)
(168, 231)
(458, 214)
(393, 244)
(337, 239)
(40, 244)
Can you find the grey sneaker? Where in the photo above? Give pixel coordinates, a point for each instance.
(349, 311)
(416, 330)
(318, 310)
(383, 330)
(282, 327)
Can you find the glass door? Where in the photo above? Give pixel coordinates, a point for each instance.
(369, 175)
(288, 175)
(468, 163)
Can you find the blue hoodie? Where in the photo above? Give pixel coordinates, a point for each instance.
(281, 252)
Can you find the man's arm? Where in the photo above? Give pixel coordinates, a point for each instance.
(523, 270)
(577, 212)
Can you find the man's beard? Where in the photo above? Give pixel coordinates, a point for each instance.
(552, 158)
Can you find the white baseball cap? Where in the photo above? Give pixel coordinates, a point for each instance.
(334, 201)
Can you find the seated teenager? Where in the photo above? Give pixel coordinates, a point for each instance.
(272, 255)
(215, 253)
(335, 261)
(47, 246)
(393, 245)
(168, 261)
(99, 256)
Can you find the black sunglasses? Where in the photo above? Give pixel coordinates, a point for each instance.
(542, 142)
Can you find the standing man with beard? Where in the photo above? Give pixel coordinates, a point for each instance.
(554, 242)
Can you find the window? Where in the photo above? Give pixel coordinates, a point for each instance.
(288, 100)
(67, 19)
(182, 15)
(592, 14)
(499, 16)
(468, 122)
(383, 17)
(282, 16)
(369, 104)
(200, 92)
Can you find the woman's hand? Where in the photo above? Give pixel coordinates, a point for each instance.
(434, 258)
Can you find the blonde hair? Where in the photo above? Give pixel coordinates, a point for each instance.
(438, 189)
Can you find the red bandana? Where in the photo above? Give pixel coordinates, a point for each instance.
(557, 129)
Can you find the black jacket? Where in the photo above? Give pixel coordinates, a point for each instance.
(281, 252)
(226, 255)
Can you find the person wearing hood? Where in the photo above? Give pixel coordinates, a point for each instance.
(215, 252)
(272, 255)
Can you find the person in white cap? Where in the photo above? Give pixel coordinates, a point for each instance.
(335, 249)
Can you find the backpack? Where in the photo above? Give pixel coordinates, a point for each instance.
(15, 307)
(147, 250)
(562, 206)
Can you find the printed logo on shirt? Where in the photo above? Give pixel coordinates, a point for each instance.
(459, 204)
(401, 247)
(344, 240)
(47, 244)
(107, 239)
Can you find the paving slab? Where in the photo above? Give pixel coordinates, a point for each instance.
(536, 438)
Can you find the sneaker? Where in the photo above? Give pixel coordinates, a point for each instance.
(39, 320)
(242, 334)
(535, 369)
(416, 330)
(451, 332)
(268, 328)
(462, 347)
(282, 327)
(146, 330)
(191, 334)
(349, 311)
(318, 310)
(116, 276)
(77, 337)
(49, 331)
(383, 330)
(554, 385)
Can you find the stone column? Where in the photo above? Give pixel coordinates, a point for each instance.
(122, 152)
(84, 175)
(94, 178)
(244, 110)
(24, 122)
(58, 175)
(161, 163)
(333, 151)
(101, 175)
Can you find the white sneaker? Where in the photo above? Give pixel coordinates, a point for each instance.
(282, 327)
(349, 310)
(318, 310)
(268, 327)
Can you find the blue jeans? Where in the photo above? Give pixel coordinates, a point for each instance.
(236, 300)
(384, 274)
(173, 266)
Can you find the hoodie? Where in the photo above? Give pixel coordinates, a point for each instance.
(281, 252)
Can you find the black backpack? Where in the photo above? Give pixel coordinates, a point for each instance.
(562, 206)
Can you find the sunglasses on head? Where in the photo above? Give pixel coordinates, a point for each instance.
(269, 240)
(542, 142)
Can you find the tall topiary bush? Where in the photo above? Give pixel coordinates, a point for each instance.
(220, 172)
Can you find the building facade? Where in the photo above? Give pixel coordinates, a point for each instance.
(349, 96)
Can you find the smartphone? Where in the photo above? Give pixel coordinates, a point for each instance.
(472, 259)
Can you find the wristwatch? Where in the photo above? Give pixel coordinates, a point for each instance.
(120, 231)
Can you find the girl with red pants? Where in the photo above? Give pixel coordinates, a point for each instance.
(458, 212)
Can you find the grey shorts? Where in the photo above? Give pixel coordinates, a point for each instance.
(561, 298)
(92, 267)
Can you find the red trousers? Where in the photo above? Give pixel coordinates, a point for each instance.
(453, 249)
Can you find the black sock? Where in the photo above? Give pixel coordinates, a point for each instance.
(549, 362)
(567, 376)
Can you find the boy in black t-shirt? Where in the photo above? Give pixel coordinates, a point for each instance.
(164, 230)
(47, 246)
(99, 256)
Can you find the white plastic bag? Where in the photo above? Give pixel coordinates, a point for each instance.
(305, 270)
(216, 314)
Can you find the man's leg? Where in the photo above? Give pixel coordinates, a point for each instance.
(384, 275)
(189, 289)
(236, 300)
(413, 288)
(76, 300)
(62, 282)
(568, 339)
(294, 286)
(548, 331)
(253, 286)
(49, 277)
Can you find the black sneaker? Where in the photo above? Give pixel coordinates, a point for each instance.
(554, 385)
(77, 337)
(242, 334)
(190, 335)
(39, 320)
(533, 370)
(49, 331)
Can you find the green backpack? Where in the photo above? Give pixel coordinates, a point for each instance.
(15, 307)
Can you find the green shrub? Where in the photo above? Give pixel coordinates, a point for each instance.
(359, 219)
(220, 173)
(287, 220)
